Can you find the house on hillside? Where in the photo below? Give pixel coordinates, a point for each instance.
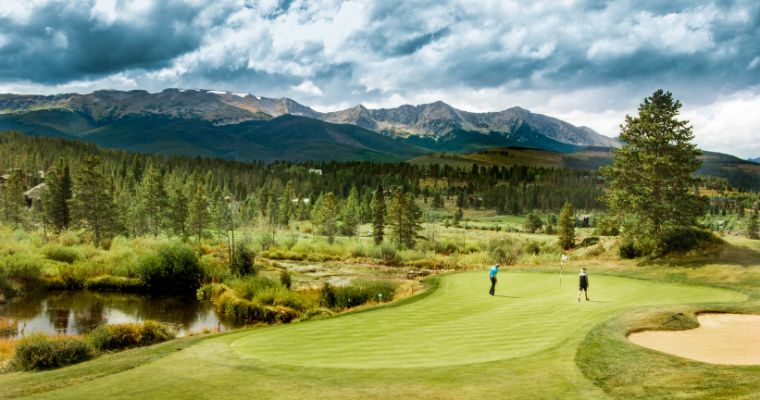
(33, 195)
(315, 171)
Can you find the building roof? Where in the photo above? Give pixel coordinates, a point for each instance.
(35, 193)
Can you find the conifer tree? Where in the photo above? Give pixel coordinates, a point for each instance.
(752, 228)
(412, 218)
(153, 199)
(178, 211)
(13, 197)
(651, 187)
(326, 216)
(396, 217)
(91, 202)
(198, 214)
(378, 215)
(55, 196)
(566, 226)
(286, 204)
(350, 213)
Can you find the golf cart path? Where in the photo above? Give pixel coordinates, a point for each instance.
(459, 323)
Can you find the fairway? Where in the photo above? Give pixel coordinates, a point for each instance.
(461, 324)
(457, 342)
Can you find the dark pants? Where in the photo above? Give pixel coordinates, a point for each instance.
(493, 286)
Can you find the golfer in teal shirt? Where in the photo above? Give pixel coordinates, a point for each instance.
(492, 275)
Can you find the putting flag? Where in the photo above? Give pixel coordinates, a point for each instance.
(565, 258)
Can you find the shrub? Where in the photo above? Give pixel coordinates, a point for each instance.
(242, 263)
(531, 247)
(117, 283)
(387, 253)
(69, 238)
(170, 268)
(686, 239)
(285, 278)
(628, 250)
(123, 336)
(357, 293)
(38, 351)
(7, 326)
(231, 305)
(21, 269)
(589, 241)
(62, 254)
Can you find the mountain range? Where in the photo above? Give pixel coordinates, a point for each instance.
(249, 127)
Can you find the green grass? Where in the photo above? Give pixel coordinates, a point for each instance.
(455, 342)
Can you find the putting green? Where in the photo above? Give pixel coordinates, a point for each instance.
(461, 324)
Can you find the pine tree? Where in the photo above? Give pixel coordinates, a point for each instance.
(13, 197)
(404, 217)
(55, 196)
(437, 200)
(326, 216)
(752, 228)
(286, 204)
(566, 226)
(651, 187)
(378, 215)
(152, 199)
(178, 211)
(412, 218)
(198, 214)
(396, 216)
(350, 213)
(91, 202)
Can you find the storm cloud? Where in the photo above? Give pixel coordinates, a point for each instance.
(589, 62)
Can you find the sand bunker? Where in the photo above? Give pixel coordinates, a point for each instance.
(730, 339)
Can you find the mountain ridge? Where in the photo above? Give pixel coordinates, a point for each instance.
(436, 120)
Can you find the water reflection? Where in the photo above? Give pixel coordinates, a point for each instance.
(79, 312)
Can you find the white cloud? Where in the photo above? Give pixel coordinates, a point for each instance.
(308, 88)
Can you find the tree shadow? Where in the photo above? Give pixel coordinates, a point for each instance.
(504, 295)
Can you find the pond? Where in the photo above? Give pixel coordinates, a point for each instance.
(79, 312)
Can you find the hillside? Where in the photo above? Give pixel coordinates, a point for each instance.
(739, 173)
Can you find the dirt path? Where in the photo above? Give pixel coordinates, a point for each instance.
(730, 339)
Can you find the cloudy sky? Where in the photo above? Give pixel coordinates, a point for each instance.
(589, 62)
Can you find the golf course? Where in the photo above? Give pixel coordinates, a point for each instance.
(452, 341)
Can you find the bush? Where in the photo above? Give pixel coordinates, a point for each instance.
(62, 254)
(123, 336)
(21, 269)
(687, 239)
(242, 263)
(171, 268)
(386, 252)
(38, 351)
(589, 241)
(357, 293)
(117, 283)
(531, 247)
(285, 279)
(628, 250)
